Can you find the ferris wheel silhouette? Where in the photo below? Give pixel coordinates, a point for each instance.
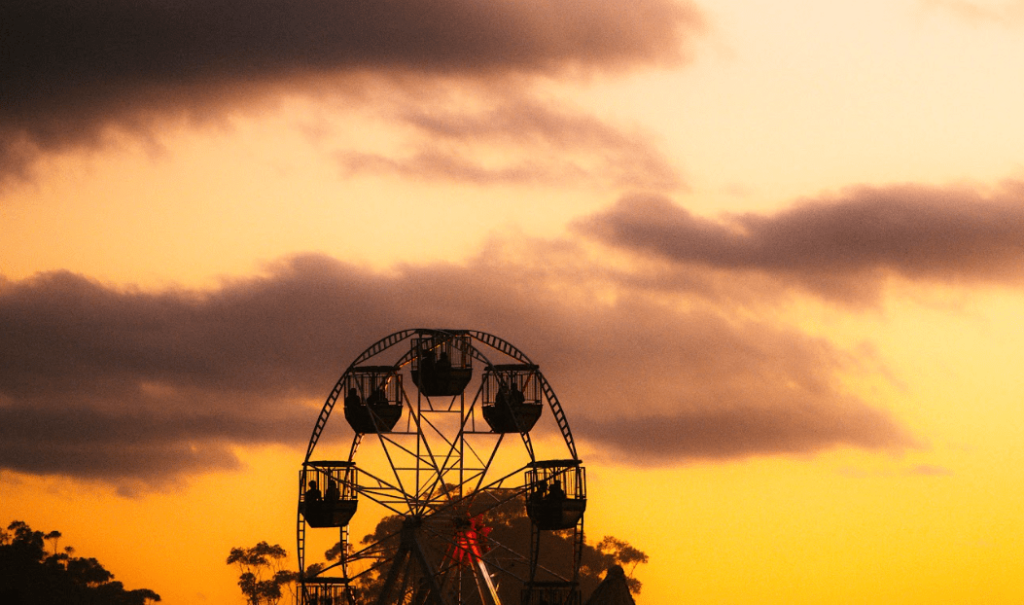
(441, 444)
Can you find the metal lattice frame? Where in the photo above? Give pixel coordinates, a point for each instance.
(439, 462)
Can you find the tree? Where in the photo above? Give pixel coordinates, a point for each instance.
(262, 572)
(55, 537)
(608, 553)
(510, 527)
(29, 576)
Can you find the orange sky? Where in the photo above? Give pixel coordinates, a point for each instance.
(771, 257)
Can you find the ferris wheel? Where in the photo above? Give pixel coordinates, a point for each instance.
(437, 439)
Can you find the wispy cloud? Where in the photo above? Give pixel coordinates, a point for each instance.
(516, 139)
(930, 470)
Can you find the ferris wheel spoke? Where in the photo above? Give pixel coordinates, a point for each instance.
(494, 562)
(451, 443)
(470, 417)
(398, 478)
(405, 449)
(452, 461)
(433, 479)
(490, 459)
(491, 490)
(455, 457)
(375, 549)
(421, 493)
(388, 504)
(429, 459)
(384, 493)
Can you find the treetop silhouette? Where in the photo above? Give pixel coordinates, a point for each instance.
(30, 576)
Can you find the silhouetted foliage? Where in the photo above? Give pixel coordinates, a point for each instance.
(28, 576)
(262, 572)
(510, 533)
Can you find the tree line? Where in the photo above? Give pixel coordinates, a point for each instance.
(32, 574)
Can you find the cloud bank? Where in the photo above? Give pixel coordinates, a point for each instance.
(841, 248)
(126, 385)
(121, 385)
(790, 427)
(70, 70)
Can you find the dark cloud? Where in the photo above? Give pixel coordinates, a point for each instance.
(72, 69)
(99, 382)
(124, 445)
(791, 427)
(841, 247)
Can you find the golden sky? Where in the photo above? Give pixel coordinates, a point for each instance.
(770, 255)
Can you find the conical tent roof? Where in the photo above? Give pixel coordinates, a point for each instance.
(613, 590)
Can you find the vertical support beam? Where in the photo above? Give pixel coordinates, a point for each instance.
(577, 554)
(396, 568)
(410, 556)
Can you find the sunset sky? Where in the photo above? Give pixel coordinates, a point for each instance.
(769, 254)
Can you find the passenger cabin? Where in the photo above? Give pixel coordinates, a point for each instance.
(442, 365)
(327, 493)
(556, 493)
(551, 593)
(372, 398)
(333, 591)
(511, 398)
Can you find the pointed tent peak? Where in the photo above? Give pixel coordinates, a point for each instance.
(613, 590)
(614, 571)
